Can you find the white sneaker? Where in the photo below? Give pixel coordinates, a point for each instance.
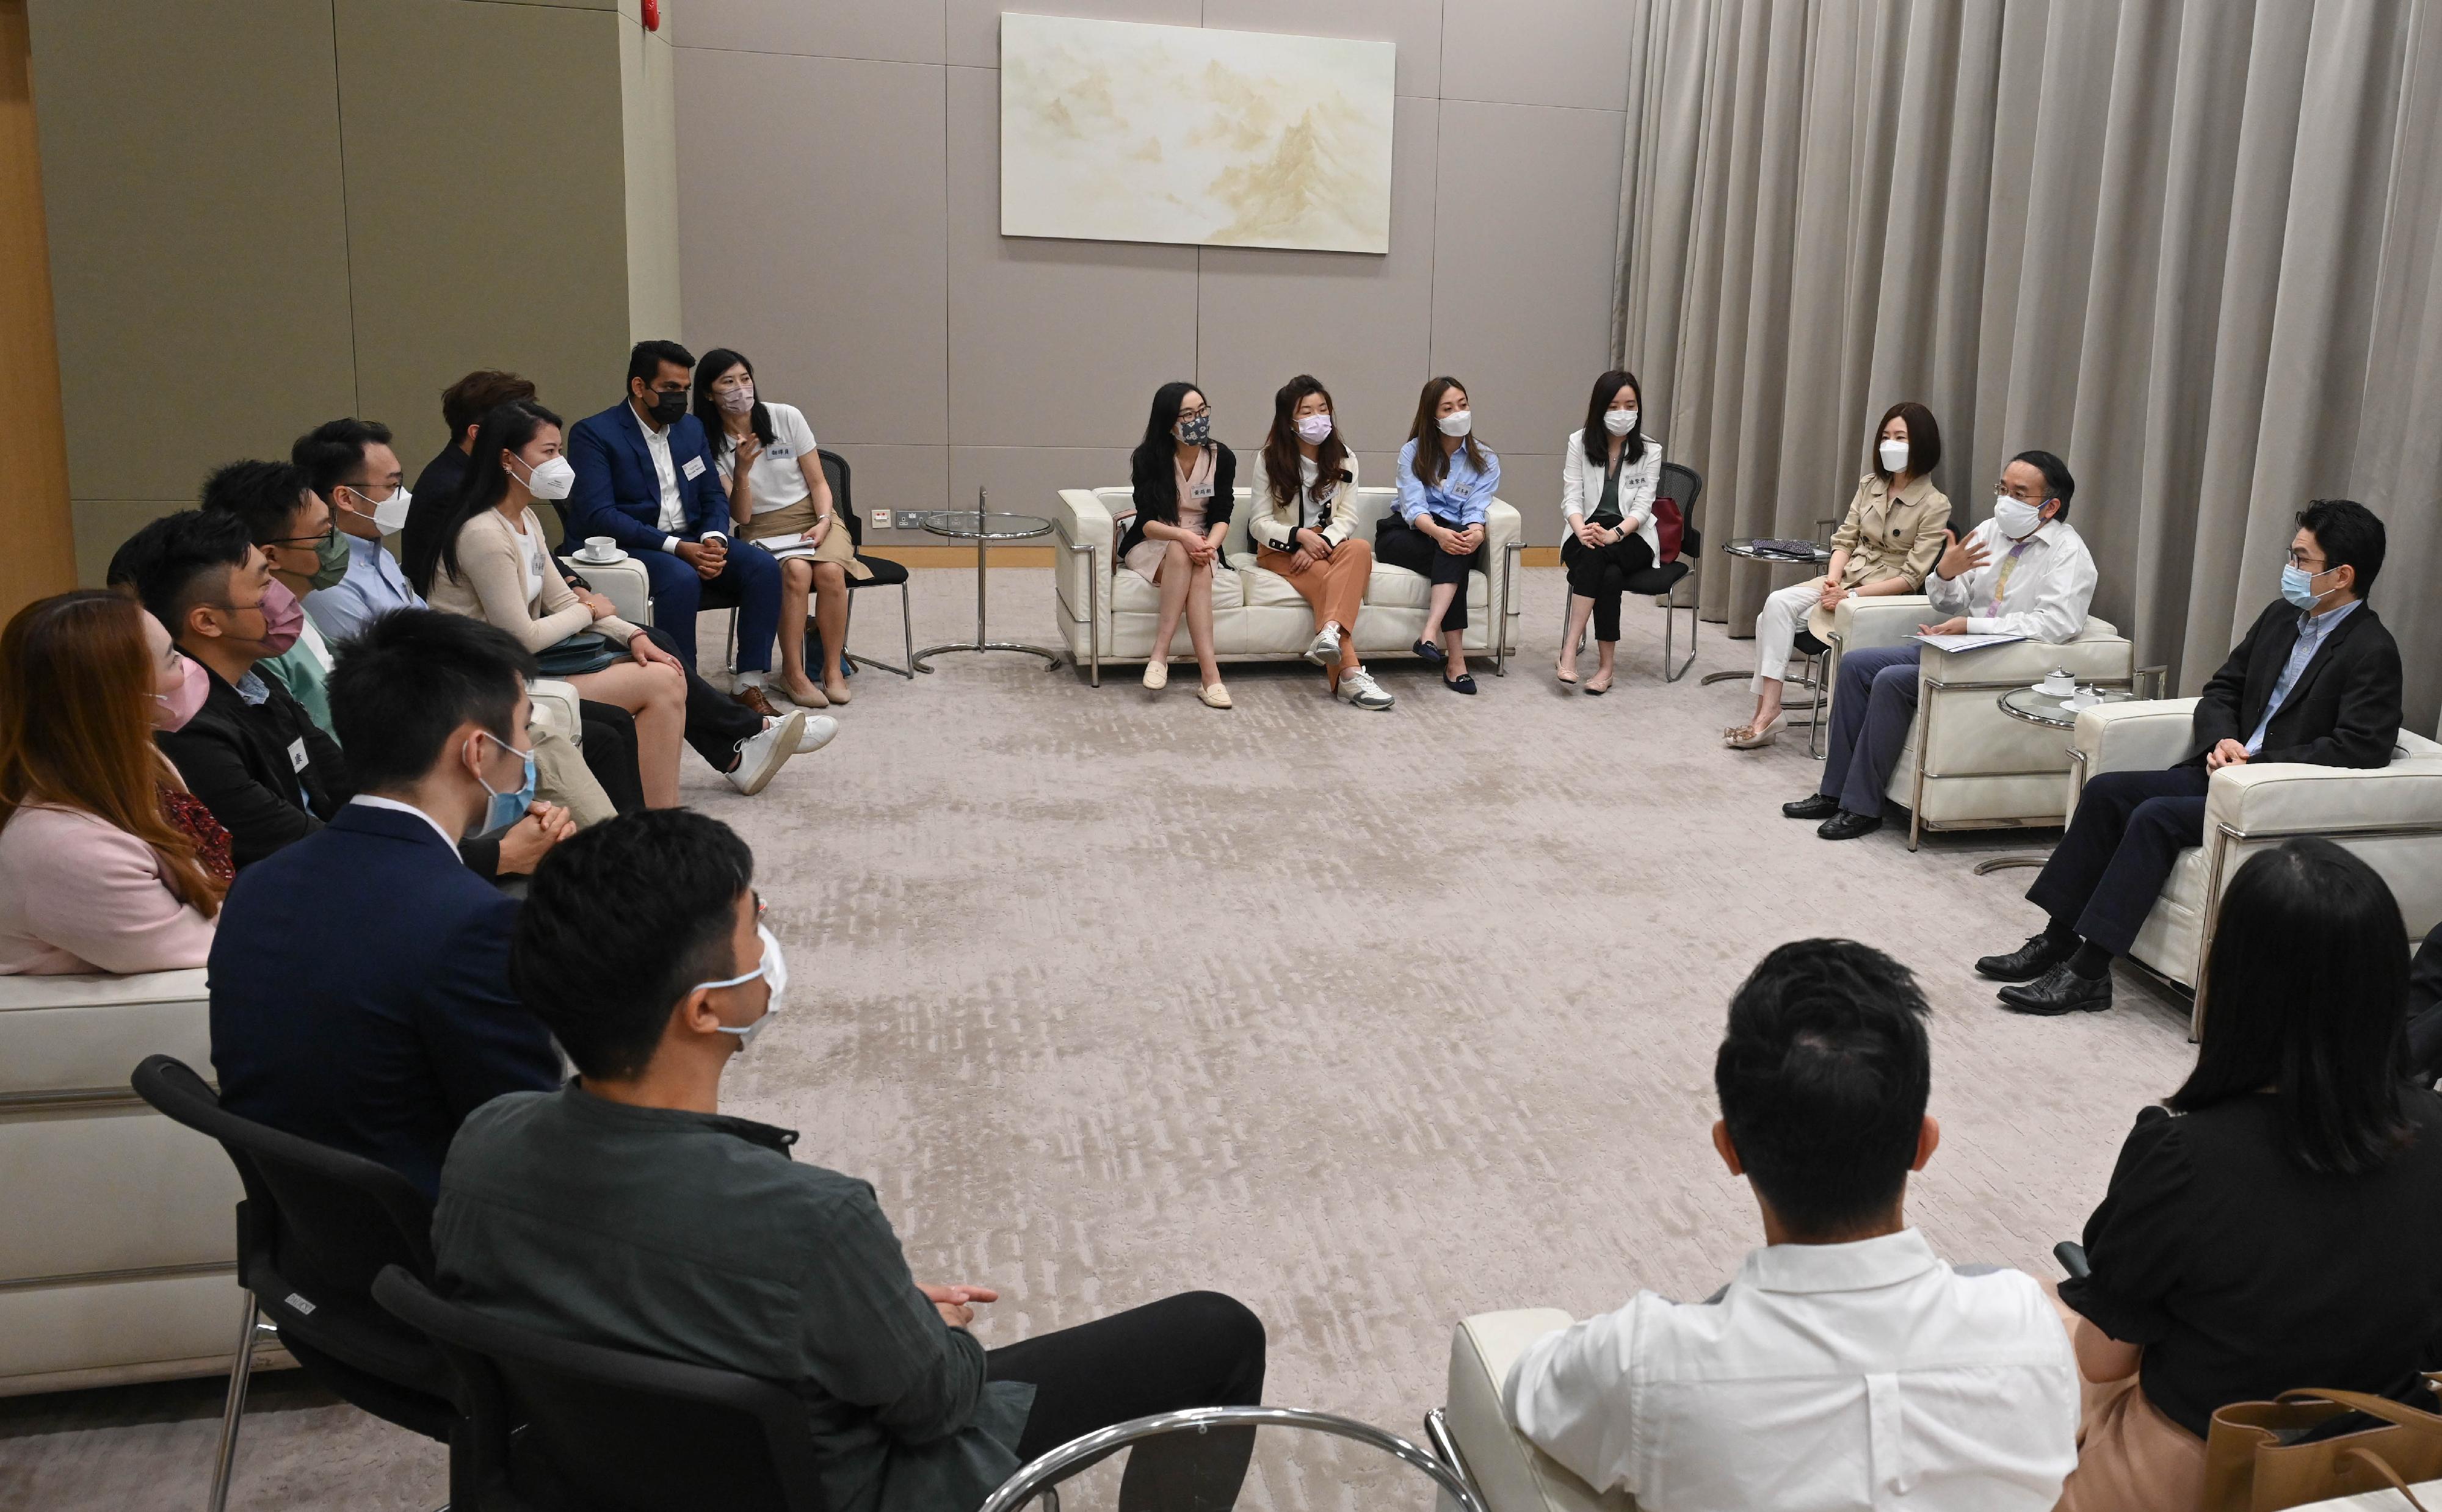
(1325, 652)
(1359, 688)
(817, 734)
(1156, 675)
(760, 758)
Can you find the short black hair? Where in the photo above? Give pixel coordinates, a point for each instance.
(645, 360)
(1823, 1078)
(2057, 482)
(177, 560)
(2350, 534)
(409, 677)
(466, 402)
(2309, 995)
(622, 921)
(332, 454)
(266, 496)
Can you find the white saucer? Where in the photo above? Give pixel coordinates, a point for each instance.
(612, 560)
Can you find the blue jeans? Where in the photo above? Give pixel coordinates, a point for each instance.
(751, 574)
(1870, 724)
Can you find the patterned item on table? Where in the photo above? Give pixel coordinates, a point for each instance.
(1802, 551)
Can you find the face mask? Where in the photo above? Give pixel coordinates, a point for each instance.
(283, 618)
(194, 686)
(331, 561)
(774, 969)
(1314, 430)
(389, 515)
(1457, 423)
(2014, 518)
(1619, 422)
(505, 808)
(2298, 586)
(736, 401)
(1196, 431)
(554, 480)
(1894, 455)
(668, 406)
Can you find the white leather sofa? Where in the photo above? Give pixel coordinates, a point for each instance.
(1508, 1473)
(555, 708)
(1107, 616)
(1967, 765)
(118, 1248)
(2390, 817)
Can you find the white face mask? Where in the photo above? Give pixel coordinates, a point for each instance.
(2014, 518)
(773, 968)
(1457, 423)
(1314, 430)
(736, 401)
(1894, 455)
(1619, 422)
(390, 515)
(555, 480)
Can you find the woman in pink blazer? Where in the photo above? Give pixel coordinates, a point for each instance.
(106, 863)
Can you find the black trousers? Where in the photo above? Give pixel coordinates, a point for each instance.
(2130, 826)
(1601, 574)
(715, 721)
(1403, 545)
(1196, 1349)
(610, 752)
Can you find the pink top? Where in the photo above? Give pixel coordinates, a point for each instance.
(78, 894)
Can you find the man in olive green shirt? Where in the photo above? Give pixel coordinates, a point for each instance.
(626, 1210)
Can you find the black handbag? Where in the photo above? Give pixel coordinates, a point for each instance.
(585, 651)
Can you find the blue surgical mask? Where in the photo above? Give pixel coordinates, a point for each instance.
(2298, 586)
(507, 809)
(774, 968)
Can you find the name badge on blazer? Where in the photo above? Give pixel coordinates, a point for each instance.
(693, 469)
(1200, 490)
(297, 755)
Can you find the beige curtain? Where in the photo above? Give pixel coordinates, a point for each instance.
(2193, 246)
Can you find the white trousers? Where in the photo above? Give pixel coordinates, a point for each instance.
(1784, 615)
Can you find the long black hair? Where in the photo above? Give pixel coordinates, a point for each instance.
(1597, 440)
(715, 363)
(1153, 466)
(1282, 472)
(2308, 986)
(507, 427)
(1430, 462)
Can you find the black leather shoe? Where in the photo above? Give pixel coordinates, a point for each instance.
(2040, 954)
(1813, 806)
(1847, 826)
(2057, 992)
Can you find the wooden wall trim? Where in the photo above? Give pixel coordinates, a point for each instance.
(41, 555)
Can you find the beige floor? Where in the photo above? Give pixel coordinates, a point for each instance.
(1374, 1020)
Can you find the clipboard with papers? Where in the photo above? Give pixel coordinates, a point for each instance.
(1965, 642)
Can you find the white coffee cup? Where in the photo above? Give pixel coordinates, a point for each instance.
(600, 548)
(2059, 684)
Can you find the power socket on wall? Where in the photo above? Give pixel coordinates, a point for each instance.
(882, 520)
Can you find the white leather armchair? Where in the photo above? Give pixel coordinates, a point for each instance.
(1256, 615)
(622, 582)
(2389, 816)
(555, 710)
(117, 1253)
(1508, 1472)
(1966, 765)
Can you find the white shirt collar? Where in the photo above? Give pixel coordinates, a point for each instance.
(1861, 1266)
(375, 801)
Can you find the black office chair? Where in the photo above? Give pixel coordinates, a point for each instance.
(887, 573)
(554, 1424)
(315, 1226)
(1661, 579)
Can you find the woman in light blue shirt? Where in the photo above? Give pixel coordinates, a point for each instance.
(1445, 483)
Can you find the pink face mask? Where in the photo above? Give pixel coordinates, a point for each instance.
(176, 709)
(283, 618)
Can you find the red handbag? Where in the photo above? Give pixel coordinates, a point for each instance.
(1668, 526)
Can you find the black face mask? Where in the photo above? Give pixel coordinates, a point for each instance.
(669, 406)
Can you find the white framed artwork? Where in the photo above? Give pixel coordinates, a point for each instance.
(1127, 132)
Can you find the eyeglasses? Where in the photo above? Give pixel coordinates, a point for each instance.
(1199, 412)
(315, 541)
(2299, 558)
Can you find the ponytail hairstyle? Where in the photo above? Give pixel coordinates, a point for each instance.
(1283, 474)
(1432, 462)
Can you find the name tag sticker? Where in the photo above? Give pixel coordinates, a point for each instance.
(694, 468)
(1200, 490)
(297, 754)
(778, 452)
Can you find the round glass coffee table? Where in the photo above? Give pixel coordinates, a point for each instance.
(2032, 705)
(1750, 551)
(984, 527)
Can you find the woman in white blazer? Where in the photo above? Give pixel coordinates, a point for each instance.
(1609, 472)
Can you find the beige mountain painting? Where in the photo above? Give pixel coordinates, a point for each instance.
(1123, 131)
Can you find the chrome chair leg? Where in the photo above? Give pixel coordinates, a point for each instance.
(241, 1371)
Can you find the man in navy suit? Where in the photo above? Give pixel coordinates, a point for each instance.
(359, 976)
(644, 478)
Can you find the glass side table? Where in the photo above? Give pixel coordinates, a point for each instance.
(983, 527)
(2032, 705)
(1745, 552)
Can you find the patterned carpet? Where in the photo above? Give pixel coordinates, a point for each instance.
(1372, 1020)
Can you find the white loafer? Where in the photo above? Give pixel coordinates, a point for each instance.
(1215, 697)
(1156, 675)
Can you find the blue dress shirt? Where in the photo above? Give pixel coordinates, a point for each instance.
(1463, 496)
(2313, 630)
(374, 586)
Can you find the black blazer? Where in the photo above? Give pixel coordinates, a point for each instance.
(2344, 711)
(243, 763)
(1155, 488)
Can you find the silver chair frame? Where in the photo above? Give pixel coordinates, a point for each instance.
(1670, 608)
(1039, 1478)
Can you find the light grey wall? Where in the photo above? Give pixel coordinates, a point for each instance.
(839, 193)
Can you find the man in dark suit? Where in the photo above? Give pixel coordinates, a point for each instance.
(2316, 681)
(644, 478)
(251, 754)
(359, 978)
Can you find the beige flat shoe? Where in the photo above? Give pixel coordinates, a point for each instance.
(813, 701)
(1156, 675)
(838, 694)
(1215, 697)
(1565, 674)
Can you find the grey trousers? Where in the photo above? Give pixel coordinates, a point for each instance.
(1870, 723)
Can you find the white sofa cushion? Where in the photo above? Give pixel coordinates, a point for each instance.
(1510, 1474)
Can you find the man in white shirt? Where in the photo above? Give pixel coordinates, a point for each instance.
(1847, 1365)
(2022, 572)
